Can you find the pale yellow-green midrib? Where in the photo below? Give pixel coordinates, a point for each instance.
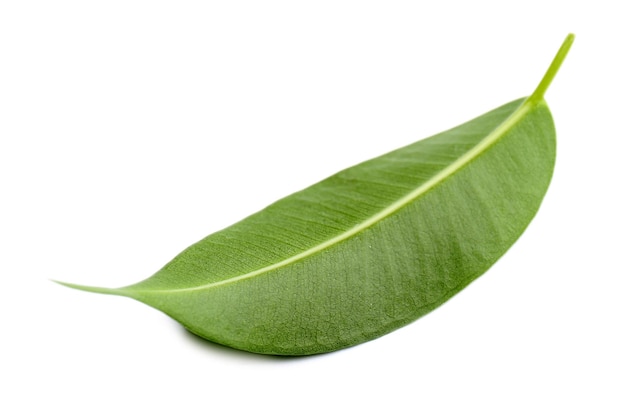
(483, 145)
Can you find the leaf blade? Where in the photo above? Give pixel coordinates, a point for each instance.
(355, 313)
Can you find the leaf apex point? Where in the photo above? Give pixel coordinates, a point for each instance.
(98, 290)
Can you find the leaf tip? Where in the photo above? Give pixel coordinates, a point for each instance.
(99, 290)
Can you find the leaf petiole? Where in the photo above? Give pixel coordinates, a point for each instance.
(539, 92)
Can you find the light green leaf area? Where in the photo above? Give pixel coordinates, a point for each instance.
(371, 248)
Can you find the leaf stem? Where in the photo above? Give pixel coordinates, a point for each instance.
(552, 70)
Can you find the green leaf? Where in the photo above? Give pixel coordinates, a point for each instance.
(371, 248)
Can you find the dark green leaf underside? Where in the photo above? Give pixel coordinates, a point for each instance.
(369, 249)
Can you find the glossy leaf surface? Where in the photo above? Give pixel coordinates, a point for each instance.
(370, 248)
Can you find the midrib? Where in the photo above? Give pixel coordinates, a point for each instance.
(463, 160)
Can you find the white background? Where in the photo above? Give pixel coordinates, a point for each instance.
(131, 129)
